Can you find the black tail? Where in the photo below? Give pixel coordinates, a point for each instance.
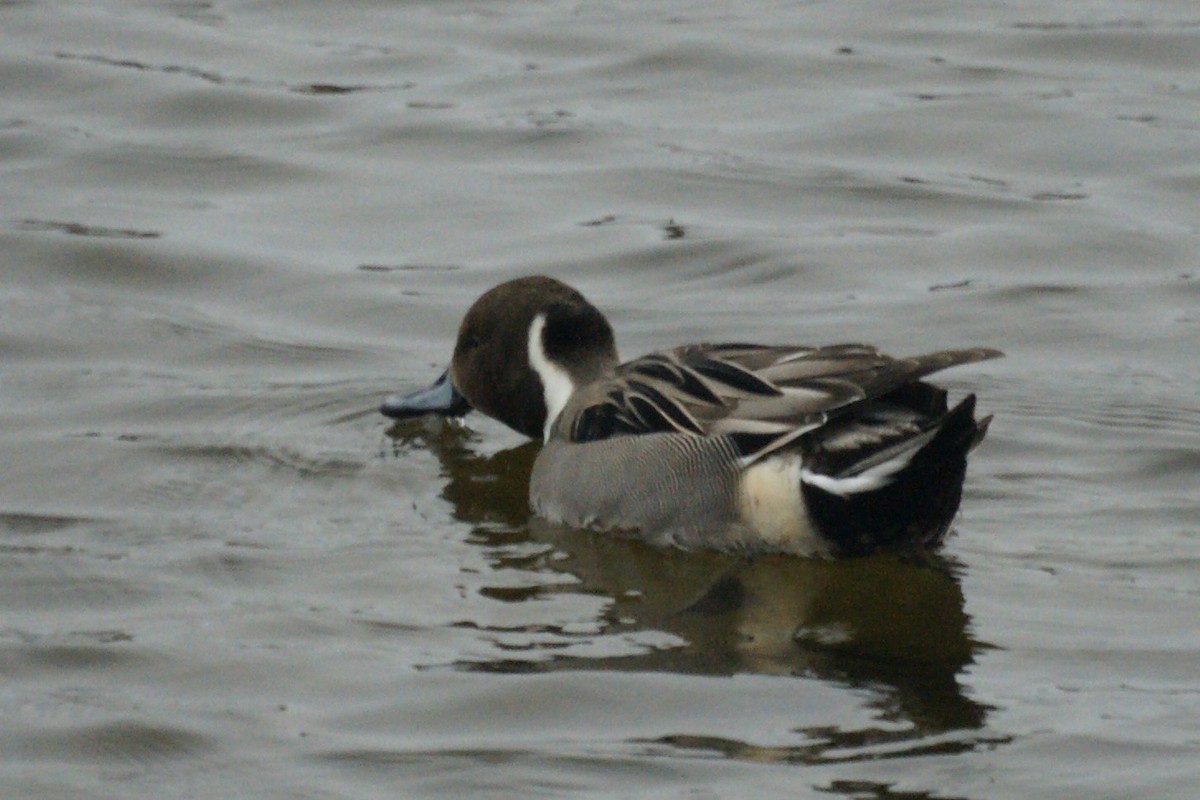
(913, 507)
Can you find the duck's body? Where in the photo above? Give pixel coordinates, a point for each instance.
(833, 451)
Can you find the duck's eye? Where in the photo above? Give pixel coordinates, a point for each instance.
(470, 342)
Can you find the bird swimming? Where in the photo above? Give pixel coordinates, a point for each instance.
(835, 450)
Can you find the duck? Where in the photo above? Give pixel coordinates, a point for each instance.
(823, 451)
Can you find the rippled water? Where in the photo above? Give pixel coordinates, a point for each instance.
(228, 229)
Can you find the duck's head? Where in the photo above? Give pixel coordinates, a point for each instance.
(522, 350)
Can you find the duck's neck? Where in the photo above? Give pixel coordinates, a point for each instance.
(557, 383)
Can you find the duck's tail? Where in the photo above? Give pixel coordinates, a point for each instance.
(904, 497)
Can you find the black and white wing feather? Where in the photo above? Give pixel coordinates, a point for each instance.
(761, 396)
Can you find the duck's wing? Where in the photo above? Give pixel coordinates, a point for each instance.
(762, 396)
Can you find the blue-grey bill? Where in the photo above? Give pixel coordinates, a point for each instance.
(440, 398)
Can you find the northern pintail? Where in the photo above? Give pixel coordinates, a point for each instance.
(835, 451)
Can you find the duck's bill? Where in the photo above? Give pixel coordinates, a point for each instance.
(441, 398)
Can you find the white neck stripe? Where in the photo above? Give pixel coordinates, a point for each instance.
(557, 385)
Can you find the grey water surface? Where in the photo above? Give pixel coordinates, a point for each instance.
(228, 229)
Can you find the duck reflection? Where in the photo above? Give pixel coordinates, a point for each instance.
(893, 626)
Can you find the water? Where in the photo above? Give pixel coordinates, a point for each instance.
(228, 229)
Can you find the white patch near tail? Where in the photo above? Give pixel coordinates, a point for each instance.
(557, 386)
(868, 480)
(771, 505)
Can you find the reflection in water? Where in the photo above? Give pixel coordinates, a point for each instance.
(893, 627)
(871, 790)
